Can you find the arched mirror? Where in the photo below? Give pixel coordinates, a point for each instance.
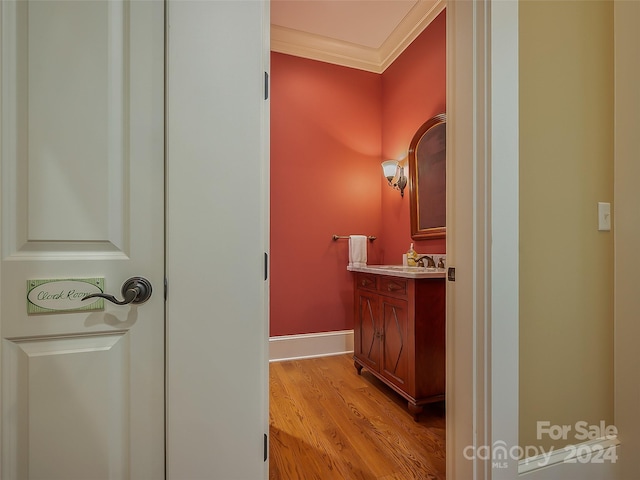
(427, 179)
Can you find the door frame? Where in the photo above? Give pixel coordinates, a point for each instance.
(626, 232)
(482, 192)
(468, 222)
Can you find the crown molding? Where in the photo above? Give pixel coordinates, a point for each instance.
(324, 49)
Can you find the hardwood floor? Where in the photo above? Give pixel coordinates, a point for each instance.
(328, 423)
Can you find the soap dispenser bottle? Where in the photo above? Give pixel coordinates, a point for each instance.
(411, 256)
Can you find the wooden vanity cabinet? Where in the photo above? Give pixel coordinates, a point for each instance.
(399, 335)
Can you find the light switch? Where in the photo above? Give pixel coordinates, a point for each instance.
(604, 216)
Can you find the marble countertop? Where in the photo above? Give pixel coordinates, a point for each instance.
(400, 271)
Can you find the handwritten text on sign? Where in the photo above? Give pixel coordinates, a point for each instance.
(64, 295)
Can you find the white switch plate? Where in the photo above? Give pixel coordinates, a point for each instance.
(604, 216)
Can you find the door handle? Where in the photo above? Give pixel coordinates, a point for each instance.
(136, 290)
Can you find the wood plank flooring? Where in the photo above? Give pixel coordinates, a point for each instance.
(328, 423)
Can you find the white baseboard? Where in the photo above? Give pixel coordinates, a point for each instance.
(600, 452)
(310, 345)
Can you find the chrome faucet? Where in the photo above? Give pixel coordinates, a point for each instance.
(430, 262)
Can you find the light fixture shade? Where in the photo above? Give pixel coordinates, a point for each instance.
(394, 174)
(390, 169)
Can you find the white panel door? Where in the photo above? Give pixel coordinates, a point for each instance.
(217, 236)
(82, 197)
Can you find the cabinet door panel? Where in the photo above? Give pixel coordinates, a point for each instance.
(396, 345)
(366, 332)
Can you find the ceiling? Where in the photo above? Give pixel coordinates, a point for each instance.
(363, 34)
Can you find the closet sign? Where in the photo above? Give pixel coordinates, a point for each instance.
(64, 295)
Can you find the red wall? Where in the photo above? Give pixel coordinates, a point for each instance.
(413, 90)
(325, 177)
(331, 127)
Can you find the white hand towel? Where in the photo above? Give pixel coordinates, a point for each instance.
(357, 250)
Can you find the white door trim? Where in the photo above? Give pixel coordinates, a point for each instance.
(503, 273)
(467, 364)
(482, 191)
(626, 230)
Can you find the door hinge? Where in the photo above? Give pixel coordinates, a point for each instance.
(266, 265)
(266, 447)
(166, 288)
(266, 85)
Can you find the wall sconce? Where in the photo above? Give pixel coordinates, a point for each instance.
(394, 173)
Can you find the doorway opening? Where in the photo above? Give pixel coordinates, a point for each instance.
(331, 126)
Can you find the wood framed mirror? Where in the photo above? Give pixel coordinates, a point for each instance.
(427, 179)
